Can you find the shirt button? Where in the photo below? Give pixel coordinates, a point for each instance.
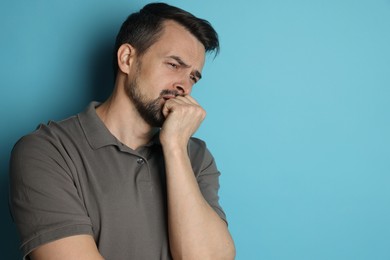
(140, 161)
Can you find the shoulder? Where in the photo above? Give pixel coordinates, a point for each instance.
(200, 156)
(47, 141)
(197, 149)
(48, 133)
(196, 145)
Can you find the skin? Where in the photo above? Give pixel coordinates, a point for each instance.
(173, 63)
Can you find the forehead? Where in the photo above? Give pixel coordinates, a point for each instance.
(176, 40)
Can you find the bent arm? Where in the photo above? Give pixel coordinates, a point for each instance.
(196, 231)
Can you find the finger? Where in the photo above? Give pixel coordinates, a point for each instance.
(188, 99)
(167, 107)
(181, 101)
(172, 104)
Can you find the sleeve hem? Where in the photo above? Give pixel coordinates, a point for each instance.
(55, 234)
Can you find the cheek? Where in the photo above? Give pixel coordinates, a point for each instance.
(158, 78)
(164, 80)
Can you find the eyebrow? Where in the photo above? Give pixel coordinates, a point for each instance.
(182, 63)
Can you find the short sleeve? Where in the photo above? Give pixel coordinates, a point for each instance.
(207, 174)
(44, 200)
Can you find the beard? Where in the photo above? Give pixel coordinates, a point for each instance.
(149, 110)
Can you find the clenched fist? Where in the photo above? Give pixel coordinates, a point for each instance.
(183, 116)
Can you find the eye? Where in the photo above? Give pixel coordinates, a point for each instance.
(173, 65)
(193, 78)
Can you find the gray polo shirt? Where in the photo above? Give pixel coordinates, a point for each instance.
(74, 177)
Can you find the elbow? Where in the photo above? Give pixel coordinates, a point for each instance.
(228, 254)
(232, 254)
(226, 251)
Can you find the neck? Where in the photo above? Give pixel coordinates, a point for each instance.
(122, 119)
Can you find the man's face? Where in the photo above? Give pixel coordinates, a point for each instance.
(170, 67)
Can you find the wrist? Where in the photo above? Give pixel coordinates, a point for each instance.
(173, 148)
(176, 143)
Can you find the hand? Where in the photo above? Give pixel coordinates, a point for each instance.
(183, 116)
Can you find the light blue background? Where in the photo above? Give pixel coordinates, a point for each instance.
(298, 112)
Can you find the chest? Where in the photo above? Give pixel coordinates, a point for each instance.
(124, 195)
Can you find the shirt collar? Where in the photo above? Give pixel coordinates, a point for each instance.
(97, 133)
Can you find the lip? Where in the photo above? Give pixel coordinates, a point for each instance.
(167, 97)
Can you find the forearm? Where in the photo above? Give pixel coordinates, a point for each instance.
(195, 229)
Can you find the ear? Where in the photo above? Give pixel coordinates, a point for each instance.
(125, 57)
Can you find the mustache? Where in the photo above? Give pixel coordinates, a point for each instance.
(169, 92)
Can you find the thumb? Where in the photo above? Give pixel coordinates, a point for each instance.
(167, 108)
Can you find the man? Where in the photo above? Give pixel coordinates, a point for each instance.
(125, 179)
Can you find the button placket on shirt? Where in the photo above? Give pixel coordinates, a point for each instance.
(140, 161)
(144, 175)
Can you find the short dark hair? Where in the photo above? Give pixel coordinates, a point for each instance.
(142, 29)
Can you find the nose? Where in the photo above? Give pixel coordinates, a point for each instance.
(183, 87)
(180, 89)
